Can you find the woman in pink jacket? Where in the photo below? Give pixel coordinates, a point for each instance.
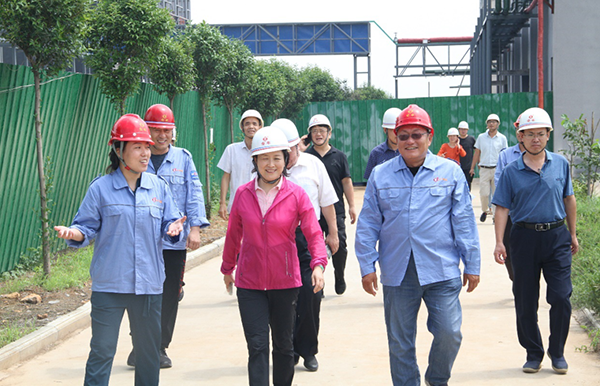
(265, 214)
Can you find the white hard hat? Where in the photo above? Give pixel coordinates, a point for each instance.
(452, 131)
(318, 120)
(463, 125)
(289, 129)
(269, 139)
(534, 118)
(493, 117)
(389, 118)
(251, 113)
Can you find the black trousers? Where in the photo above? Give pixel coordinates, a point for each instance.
(469, 178)
(306, 331)
(174, 270)
(533, 253)
(506, 241)
(339, 258)
(260, 310)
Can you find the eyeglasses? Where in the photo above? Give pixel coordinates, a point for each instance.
(415, 136)
(319, 131)
(535, 135)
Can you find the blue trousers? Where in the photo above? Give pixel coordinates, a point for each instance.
(402, 305)
(107, 313)
(532, 253)
(259, 311)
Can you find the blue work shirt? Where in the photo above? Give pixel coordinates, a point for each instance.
(535, 197)
(429, 215)
(506, 156)
(179, 171)
(128, 227)
(379, 155)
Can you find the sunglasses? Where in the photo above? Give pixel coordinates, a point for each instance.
(414, 136)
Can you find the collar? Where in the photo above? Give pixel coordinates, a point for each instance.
(521, 162)
(516, 149)
(278, 186)
(119, 181)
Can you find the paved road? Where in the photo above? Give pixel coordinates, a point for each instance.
(209, 347)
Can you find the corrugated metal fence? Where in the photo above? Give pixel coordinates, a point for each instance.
(77, 119)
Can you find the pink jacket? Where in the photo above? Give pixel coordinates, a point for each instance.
(268, 259)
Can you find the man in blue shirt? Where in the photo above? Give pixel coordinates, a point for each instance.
(537, 191)
(389, 149)
(418, 207)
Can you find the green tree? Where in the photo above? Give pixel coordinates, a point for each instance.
(297, 91)
(231, 84)
(50, 33)
(123, 42)
(584, 149)
(208, 44)
(173, 72)
(324, 87)
(268, 88)
(368, 93)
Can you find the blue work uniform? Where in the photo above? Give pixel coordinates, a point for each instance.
(425, 227)
(538, 198)
(178, 169)
(127, 268)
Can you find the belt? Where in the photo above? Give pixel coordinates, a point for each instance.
(488, 167)
(541, 227)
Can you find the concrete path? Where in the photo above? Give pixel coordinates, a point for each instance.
(209, 346)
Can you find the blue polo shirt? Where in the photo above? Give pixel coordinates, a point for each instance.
(429, 215)
(379, 155)
(535, 197)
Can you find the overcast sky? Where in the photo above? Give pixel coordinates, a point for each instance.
(406, 19)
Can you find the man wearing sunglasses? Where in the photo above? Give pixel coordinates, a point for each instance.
(417, 207)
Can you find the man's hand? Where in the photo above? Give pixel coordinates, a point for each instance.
(193, 240)
(369, 283)
(301, 146)
(223, 211)
(574, 245)
(352, 214)
(500, 253)
(333, 241)
(472, 280)
(471, 172)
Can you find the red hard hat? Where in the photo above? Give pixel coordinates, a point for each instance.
(130, 128)
(160, 117)
(413, 115)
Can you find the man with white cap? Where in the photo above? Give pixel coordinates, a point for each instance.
(236, 161)
(310, 173)
(468, 143)
(388, 149)
(487, 149)
(537, 190)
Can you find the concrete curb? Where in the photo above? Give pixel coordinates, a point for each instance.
(66, 325)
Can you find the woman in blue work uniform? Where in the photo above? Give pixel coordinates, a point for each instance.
(128, 212)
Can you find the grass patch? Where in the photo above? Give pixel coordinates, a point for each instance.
(585, 272)
(14, 331)
(69, 269)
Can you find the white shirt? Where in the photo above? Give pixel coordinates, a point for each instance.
(311, 175)
(490, 147)
(237, 161)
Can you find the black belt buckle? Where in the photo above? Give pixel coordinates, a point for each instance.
(542, 227)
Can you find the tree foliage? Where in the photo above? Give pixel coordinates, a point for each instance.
(324, 87)
(267, 88)
(124, 41)
(173, 72)
(584, 149)
(50, 33)
(231, 84)
(297, 91)
(365, 92)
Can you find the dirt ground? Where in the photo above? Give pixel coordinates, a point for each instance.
(57, 303)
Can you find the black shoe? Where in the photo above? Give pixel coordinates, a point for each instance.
(340, 286)
(165, 362)
(532, 367)
(180, 295)
(559, 365)
(311, 364)
(131, 359)
(483, 217)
